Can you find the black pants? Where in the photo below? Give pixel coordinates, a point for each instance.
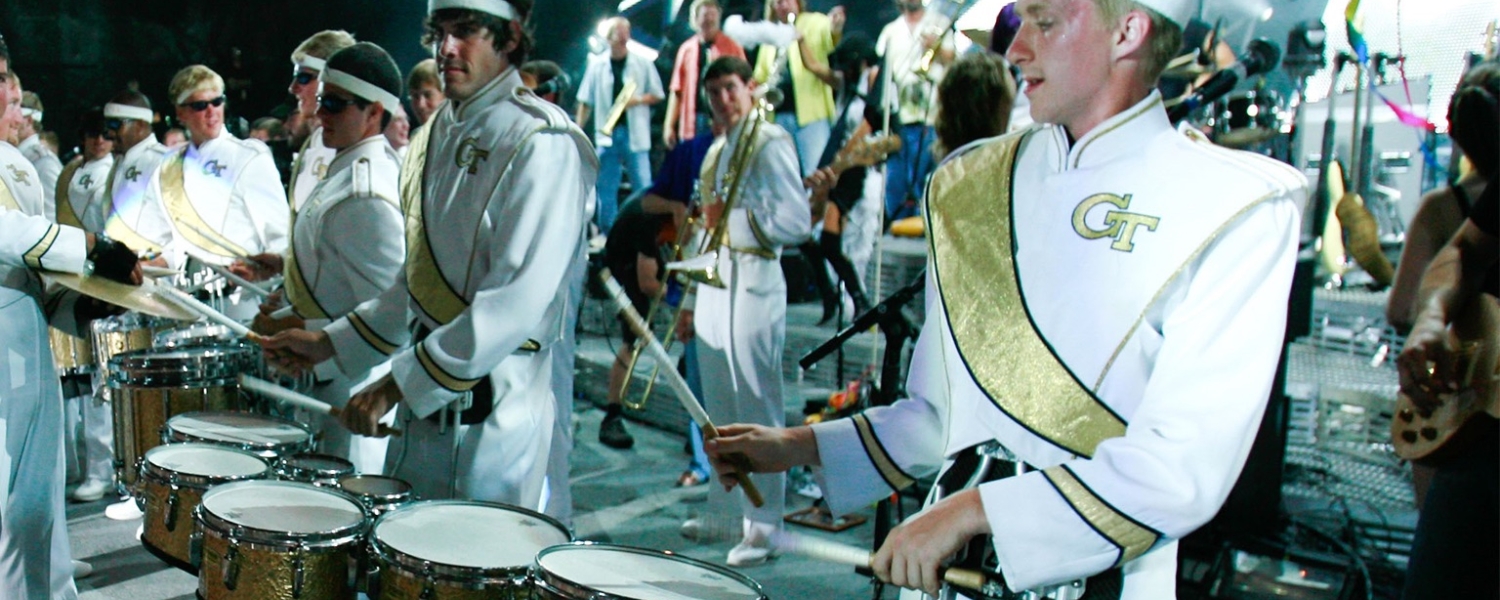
(1456, 553)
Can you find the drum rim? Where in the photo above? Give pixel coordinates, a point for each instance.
(171, 436)
(244, 534)
(140, 368)
(165, 476)
(550, 579)
(284, 469)
(412, 565)
(401, 497)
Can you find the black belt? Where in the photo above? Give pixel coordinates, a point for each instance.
(979, 553)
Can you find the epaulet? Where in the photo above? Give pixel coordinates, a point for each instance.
(159, 149)
(363, 185)
(535, 106)
(254, 144)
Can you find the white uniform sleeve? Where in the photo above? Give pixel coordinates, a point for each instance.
(373, 331)
(780, 215)
(888, 448)
(365, 237)
(1183, 448)
(49, 170)
(37, 243)
(537, 219)
(259, 191)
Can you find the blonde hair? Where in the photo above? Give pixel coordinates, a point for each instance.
(322, 45)
(191, 80)
(771, 8)
(1164, 39)
(424, 74)
(30, 100)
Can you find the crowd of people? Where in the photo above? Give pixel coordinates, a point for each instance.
(1070, 391)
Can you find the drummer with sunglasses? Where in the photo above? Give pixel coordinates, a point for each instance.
(311, 164)
(222, 194)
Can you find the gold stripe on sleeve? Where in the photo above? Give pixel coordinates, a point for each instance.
(1130, 536)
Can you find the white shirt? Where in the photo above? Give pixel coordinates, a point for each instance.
(597, 92)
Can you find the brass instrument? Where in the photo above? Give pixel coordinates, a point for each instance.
(617, 110)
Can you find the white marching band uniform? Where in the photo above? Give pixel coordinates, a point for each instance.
(34, 551)
(741, 329)
(503, 193)
(85, 193)
(312, 165)
(347, 247)
(1144, 251)
(48, 168)
(132, 216)
(224, 197)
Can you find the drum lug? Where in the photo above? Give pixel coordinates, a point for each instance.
(169, 515)
(372, 576)
(297, 571)
(429, 582)
(195, 547)
(230, 572)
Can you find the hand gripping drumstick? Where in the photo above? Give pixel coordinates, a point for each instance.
(695, 410)
(290, 397)
(844, 554)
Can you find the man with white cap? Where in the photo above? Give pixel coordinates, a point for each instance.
(311, 163)
(496, 189)
(222, 194)
(47, 164)
(1105, 299)
(347, 244)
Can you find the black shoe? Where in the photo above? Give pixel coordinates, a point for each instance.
(830, 310)
(612, 433)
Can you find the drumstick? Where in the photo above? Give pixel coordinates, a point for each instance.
(740, 462)
(844, 554)
(282, 394)
(240, 281)
(191, 303)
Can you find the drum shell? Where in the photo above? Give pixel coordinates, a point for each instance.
(147, 393)
(404, 576)
(322, 470)
(169, 499)
(271, 451)
(120, 334)
(378, 503)
(264, 563)
(71, 354)
(553, 586)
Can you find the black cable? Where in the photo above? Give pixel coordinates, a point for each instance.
(1359, 560)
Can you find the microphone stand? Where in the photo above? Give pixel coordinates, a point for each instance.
(896, 328)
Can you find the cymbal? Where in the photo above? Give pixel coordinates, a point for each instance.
(146, 298)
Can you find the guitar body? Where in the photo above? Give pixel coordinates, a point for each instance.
(1428, 438)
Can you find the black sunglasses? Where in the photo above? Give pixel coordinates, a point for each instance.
(113, 124)
(303, 77)
(203, 105)
(335, 105)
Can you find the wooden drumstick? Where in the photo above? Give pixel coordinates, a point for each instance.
(740, 462)
(844, 554)
(282, 394)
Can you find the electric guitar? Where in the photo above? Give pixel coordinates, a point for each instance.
(1427, 436)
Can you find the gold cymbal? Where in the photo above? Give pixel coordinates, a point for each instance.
(146, 298)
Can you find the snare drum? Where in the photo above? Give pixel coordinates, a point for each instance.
(454, 549)
(378, 493)
(318, 469)
(71, 354)
(151, 386)
(195, 334)
(267, 437)
(122, 333)
(591, 571)
(172, 481)
(278, 539)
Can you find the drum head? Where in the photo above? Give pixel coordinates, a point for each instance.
(468, 534)
(375, 486)
(238, 428)
(284, 506)
(205, 460)
(315, 466)
(640, 574)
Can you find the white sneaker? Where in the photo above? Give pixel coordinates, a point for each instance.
(90, 490)
(750, 553)
(691, 529)
(82, 569)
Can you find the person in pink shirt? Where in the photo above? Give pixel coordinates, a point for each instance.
(687, 114)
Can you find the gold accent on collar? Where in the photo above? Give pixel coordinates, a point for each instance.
(970, 235)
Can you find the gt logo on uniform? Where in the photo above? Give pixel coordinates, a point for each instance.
(132, 173)
(469, 155)
(1118, 224)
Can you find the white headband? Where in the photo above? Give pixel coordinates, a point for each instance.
(32, 113)
(311, 62)
(499, 8)
(126, 111)
(362, 88)
(1179, 11)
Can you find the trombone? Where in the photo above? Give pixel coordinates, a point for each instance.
(617, 110)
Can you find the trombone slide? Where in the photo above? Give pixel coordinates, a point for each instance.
(617, 110)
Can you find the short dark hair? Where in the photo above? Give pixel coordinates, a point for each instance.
(729, 65)
(92, 122)
(465, 19)
(975, 98)
(1472, 116)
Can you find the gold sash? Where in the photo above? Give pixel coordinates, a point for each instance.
(8, 200)
(65, 213)
(709, 172)
(426, 283)
(971, 240)
(298, 292)
(291, 185)
(180, 209)
(114, 224)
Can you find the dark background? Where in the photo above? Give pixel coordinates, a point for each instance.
(78, 53)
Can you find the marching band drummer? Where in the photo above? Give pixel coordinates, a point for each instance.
(497, 210)
(34, 550)
(347, 243)
(313, 159)
(1072, 383)
(222, 194)
(131, 216)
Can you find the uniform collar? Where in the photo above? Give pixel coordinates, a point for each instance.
(357, 147)
(146, 143)
(1117, 136)
(33, 141)
(492, 93)
(210, 144)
